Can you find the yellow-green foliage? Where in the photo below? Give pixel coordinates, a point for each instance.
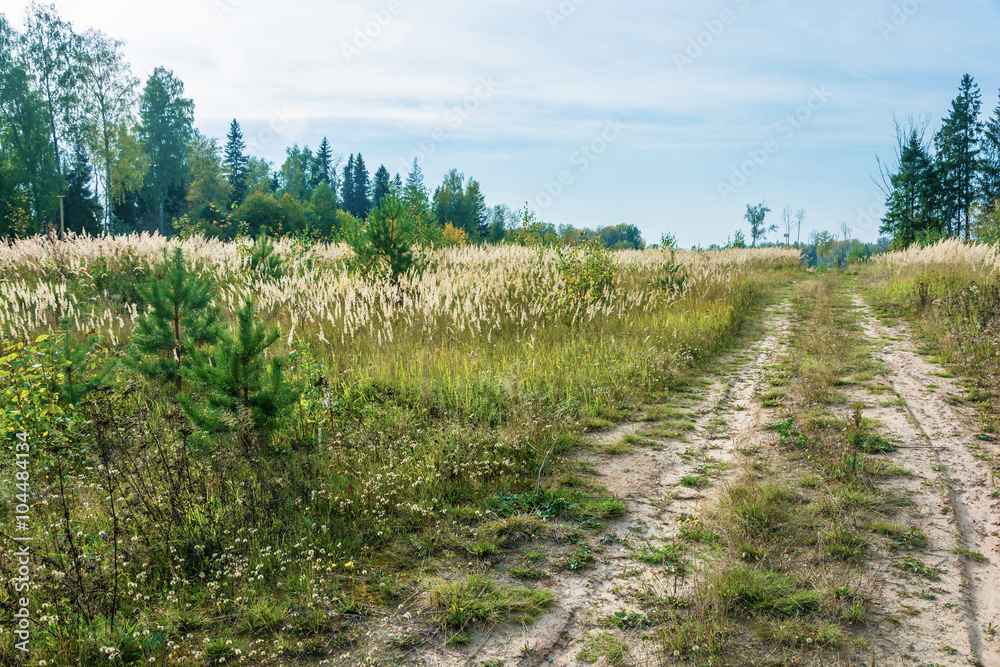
(28, 381)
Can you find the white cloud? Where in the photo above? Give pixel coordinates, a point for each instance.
(557, 82)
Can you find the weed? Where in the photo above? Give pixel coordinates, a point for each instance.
(845, 545)
(604, 645)
(976, 556)
(760, 510)
(481, 599)
(799, 634)
(694, 481)
(578, 559)
(669, 556)
(917, 566)
(533, 555)
(901, 536)
(765, 592)
(529, 573)
(513, 529)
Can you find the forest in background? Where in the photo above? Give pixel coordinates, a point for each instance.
(76, 122)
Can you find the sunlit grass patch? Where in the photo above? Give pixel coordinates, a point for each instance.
(480, 599)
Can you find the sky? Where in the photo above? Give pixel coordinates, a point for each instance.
(672, 116)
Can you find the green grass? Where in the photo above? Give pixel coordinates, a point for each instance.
(639, 440)
(528, 573)
(513, 529)
(976, 556)
(694, 481)
(668, 556)
(760, 511)
(901, 536)
(845, 545)
(765, 592)
(916, 566)
(581, 558)
(602, 644)
(479, 599)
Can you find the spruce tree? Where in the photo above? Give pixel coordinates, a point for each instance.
(322, 167)
(347, 194)
(958, 148)
(911, 204)
(362, 189)
(396, 187)
(236, 163)
(82, 210)
(382, 185)
(989, 163)
(237, 383)
(179, 317)
(476, 212)
(415, 197)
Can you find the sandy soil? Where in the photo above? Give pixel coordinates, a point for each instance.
(950, 622)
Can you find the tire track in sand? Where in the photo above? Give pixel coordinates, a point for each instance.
(951, 450)
(648, 482)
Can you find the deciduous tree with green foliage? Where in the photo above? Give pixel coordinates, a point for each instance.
(165, 131)
(755, 216)
(108, 102)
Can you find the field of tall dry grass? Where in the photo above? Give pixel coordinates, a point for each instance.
(423, 402)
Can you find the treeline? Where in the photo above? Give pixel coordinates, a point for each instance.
(76, 123)
(949, 185)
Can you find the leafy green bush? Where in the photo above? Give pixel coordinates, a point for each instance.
(588, 275)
